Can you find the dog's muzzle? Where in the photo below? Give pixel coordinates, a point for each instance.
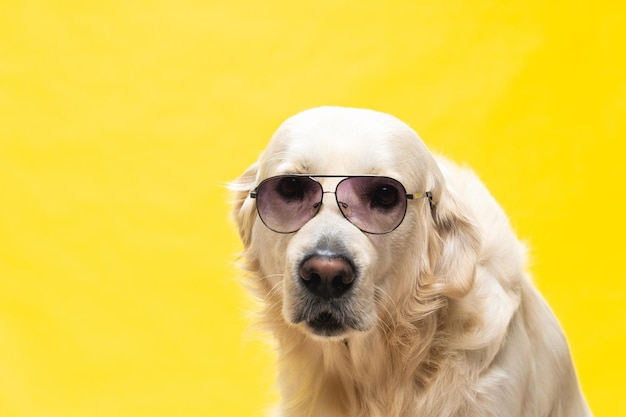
(326, 282)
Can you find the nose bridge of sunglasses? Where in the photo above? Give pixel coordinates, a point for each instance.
(328, 199)
(329, 188)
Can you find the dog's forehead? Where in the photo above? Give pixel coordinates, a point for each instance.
(341, 140)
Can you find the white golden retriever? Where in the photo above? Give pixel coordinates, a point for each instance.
(392, 280)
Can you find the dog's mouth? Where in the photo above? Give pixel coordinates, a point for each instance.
(326, 324)
(329, 321)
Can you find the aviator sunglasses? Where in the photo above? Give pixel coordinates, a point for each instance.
(374, 204)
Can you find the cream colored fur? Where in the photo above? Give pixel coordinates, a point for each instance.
(447, 321)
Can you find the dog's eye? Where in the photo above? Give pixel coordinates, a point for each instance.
(291, 188)
(384, 196)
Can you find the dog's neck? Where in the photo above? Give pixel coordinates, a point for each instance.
(335, 372)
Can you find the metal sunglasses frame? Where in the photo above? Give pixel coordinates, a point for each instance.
(408, 196)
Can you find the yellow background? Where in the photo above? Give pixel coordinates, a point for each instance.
(120, 122)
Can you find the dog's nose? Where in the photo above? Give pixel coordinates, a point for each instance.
(327, 277)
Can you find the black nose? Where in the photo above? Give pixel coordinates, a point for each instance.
(327, 276)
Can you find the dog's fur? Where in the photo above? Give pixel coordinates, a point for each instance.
(442, 319)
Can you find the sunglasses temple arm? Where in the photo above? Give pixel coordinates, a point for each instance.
(418, 196)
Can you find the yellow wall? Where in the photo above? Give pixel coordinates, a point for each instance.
(120, 121)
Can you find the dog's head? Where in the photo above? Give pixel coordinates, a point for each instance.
(346, 217)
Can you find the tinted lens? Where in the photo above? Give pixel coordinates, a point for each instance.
(286, 203)
(373, 204)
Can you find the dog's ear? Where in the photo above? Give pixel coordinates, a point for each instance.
(242, 211)
(455, 249)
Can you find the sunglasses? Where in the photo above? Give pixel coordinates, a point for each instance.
(374, 204)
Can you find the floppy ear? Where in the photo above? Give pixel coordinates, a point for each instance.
(242, 208)
(456, 245)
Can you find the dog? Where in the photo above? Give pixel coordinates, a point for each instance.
(391, 279)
